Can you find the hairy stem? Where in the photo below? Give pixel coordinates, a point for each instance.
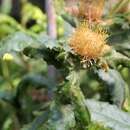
(73, 91)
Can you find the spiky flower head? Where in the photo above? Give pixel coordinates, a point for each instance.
(91, 9)
(88, 42)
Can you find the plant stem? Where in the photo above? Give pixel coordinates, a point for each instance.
(81, 111)
(73, 91)
(6, 74)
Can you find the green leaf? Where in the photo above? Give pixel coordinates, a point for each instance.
(108, 115)
(8, 25)
(103, 114)
(54, 119)
(9, 21)
(32, 12)
(123, 48)
(17, 42)
(47, 41)
(97, 126)
(115, 58)
(118, 35)
(6, 96)
(77, 99)
(59, 119)
(37, 122)
(115, 84)
(36, 81)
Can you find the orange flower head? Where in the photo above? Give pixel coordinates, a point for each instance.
(91, 9)
(89, 43)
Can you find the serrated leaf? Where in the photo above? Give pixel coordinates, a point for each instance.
(102, 113)
(47, 41)
(115, 84)
(16, 42)
(108, 115)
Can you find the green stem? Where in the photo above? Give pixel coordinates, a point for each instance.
(73, 91)
(6, 74)
(81, 111)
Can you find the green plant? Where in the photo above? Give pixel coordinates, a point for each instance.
(75, 82)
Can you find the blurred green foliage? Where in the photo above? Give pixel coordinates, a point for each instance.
(44, 86)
